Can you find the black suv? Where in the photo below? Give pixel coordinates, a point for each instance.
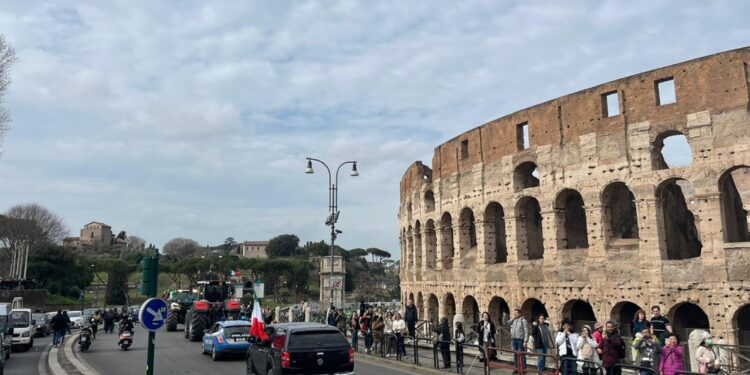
(301, 348)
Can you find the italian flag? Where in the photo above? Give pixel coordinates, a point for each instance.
(257, 327)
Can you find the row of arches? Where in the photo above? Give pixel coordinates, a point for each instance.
(677, 222)
(684, 317)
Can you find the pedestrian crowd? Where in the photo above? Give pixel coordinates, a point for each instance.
(584, 350)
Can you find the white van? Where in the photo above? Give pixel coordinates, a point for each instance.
(23, 328)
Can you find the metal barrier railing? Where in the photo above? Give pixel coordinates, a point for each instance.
(461, 357)
(593, 367)
(390, 341)
(490, 364)
(555, 361)
(686, 372)
(639, 369)
(435, 345)
(415, 343)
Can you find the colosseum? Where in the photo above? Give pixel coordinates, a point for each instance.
(578, 208)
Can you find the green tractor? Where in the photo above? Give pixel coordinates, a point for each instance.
(215, 304)
(179, 303)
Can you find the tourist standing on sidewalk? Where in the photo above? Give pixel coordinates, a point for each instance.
(59, 326)
(487, 333)
(708, 355)
(647, 351)
(460, 338)
(671, 356)
(378, 326)
(340, 321)
(399, 329)
(519, 334)
(567, 348)
(660, 325)
(354, 325)
(410, 316)
(389, 339)
(587, 351)
(612, 349)
(366, 329)
(640, 322)
(543, 341)
(443, 329)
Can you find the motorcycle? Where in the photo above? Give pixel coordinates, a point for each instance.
(84, 339)
(126, 339)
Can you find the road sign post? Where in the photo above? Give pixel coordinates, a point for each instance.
(153, 312)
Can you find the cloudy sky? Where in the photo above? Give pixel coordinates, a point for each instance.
(193, 118)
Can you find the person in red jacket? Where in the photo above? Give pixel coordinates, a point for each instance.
(612, 347)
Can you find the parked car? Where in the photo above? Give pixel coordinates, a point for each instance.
(76, 319)
(300, 348)
(226, 338)
(42, 327)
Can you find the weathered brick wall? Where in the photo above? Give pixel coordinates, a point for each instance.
(575, 146)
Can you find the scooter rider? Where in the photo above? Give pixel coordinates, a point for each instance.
(126, 325)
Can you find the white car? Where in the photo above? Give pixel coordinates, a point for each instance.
(76, 319)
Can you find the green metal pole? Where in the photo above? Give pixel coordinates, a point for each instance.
(152, 335)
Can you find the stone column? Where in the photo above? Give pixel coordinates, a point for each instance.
(651, 244)
(595, 219)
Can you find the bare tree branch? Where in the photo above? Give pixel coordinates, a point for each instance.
(7, 58)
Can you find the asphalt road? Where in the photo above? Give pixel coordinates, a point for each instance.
(175, 355)
(27, 362)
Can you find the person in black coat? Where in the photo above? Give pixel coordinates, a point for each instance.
(486, 330)
(410, 317)
(444, 330)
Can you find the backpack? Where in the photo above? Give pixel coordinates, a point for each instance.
(587, 350)
(621, 349)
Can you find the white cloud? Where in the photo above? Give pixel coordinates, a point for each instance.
(193, 118)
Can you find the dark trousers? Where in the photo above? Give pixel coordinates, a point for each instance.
(401, 348)
(568, 365)
(412, 328)
(518, 346)
(368, 340)
(355, 339)
(459, 355)
(613, 370)
(445, 352)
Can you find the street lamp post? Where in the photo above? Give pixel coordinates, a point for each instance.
(333, 215)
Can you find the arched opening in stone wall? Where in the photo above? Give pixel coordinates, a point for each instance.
(402, 242)
(411, 298)
(467, 233)
(470, 309)
(497, 308)
(494, 232)
(420, 306)
(570, 210)
(670, 150)
(685, 318)
(449, 307)
(624, 314)
(678, 229)
(429, 201)
(531, 309)
(579, 312)
(741, 323)
(734, 186)
(621, 218)
(430, 244)
(432, 308)
(408, 212)
(526, 175)
(417, 245)
(446, 231)
(409, 248)
(529, 229)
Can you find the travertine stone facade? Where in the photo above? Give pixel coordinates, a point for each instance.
(604, 225)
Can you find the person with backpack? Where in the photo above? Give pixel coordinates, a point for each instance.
(612, 349)
(543, 341)
(567, 348)
(587, 352)
(519, 335)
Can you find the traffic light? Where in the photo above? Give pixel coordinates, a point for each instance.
(149, 276)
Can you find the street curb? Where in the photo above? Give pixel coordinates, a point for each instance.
(400, 365)
(70, 355)
(53, 364)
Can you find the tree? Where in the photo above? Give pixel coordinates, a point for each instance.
(229, 245)
(7, 58)
(283, 245)
(117, 283)
(357, 253)
(317, 249)
(60, 271)
(182, 248)
(377, 254)
(135, 244)
(48, 228)
(298, 275)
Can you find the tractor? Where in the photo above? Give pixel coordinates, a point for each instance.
(179, 303)
(215, 305)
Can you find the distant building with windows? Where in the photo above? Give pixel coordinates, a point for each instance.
(254, 249)
(96, 234)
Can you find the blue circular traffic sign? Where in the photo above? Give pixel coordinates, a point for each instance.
(153, 314)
